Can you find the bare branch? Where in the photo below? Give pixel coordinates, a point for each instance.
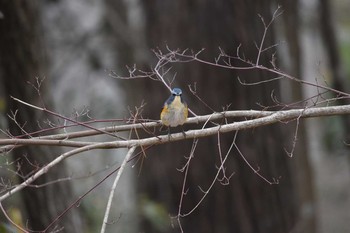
(65, 118)
(256, 170)
(205, 192)
(291, 153)
(264, 118)
(183, 192)
(276, 14)
(110, 199)
(253, 66)
(78, 200)
(46, 168)
(259, 82)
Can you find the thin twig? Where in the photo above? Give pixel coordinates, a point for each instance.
(253, 66)
(185, 168)
(46, 168)
(256, 170)
(110, 199)
(205, 192)
(78, 200)
(65, 118)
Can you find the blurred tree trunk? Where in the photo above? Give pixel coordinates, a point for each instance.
(301, 160)
(247, 204)
(339, 79)
(21, 61)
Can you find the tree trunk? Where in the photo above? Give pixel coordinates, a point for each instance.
(247, 204)
(22, 61)
(301, 161)
(339, 77)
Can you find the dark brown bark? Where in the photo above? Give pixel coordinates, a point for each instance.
(21, 61)
(300, 162)
(339, 79)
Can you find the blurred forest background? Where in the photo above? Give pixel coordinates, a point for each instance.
(72, 45)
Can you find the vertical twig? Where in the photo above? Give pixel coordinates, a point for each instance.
(183, 192)
(266, 28)
(110, 199)
(205, 192)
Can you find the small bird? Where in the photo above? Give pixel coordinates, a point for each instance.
(175, 111)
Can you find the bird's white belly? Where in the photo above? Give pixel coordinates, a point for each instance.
(175, 117)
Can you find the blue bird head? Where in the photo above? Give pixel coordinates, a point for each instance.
(176, 91)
